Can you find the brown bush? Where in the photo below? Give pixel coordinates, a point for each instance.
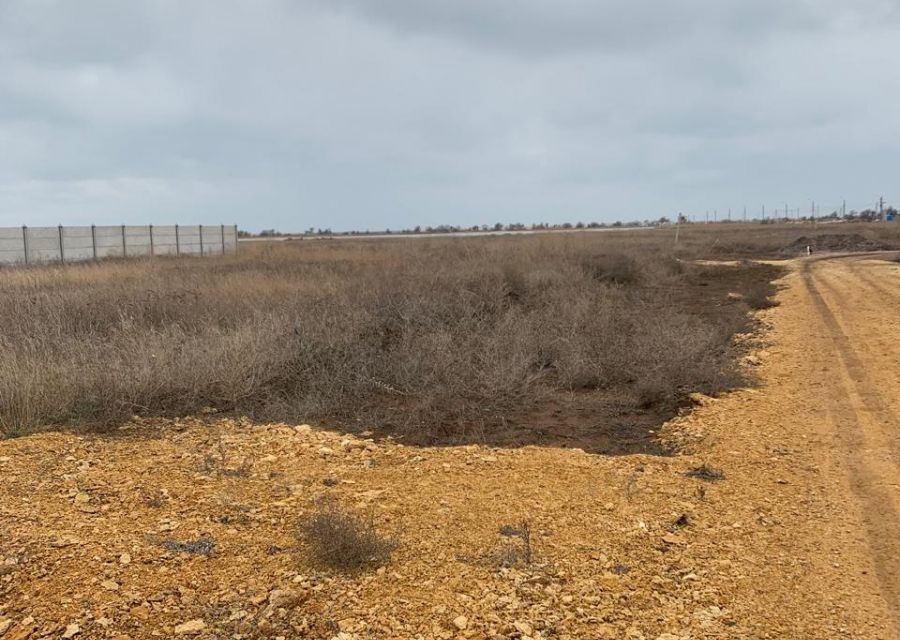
(758, 299)
(343, 540)
(617, 268)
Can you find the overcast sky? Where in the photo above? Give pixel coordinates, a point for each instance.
(392, 113)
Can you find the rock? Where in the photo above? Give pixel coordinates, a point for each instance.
(191, 627)
(125, 558)
(141, 612)
(110, 585)
(5, 624)
(67, 541)
(22, 631)
(674, 538)
(461, 622)
(285, 598)
(71, 631)
(524, 628)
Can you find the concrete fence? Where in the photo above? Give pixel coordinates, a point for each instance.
(28, 245)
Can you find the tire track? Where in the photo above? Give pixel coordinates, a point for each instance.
(866, 387)
(879, 286)
(872, 477)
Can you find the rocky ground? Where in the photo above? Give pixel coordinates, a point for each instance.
(190, 527)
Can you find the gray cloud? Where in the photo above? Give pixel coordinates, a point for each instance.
(357, 114)
(573, 25)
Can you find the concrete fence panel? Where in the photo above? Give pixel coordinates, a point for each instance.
(43, 244)
(32, 245)
(109, 241)
(12, 245)
(78, 243)
(189, 240)
(138, 240)
(165, 242)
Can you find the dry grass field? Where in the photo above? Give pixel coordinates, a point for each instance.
(161, 480)
(441, 340)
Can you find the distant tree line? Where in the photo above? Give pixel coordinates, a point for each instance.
(870, 215)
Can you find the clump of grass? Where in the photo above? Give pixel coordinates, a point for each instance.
(705, 472)
(515, 548)
(201, 547)
(617, 268)
(344, 540)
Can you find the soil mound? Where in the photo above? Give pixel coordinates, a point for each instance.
(833, 242)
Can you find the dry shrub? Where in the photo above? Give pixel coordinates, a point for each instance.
(515, 547)
(759, 299)
(705, 472)
(617, 268)
(343, 540)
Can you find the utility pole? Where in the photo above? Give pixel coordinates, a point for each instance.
(764, 213)
(844, 208)
(715, 215)
(745, 213)
(729, 214)
(707, 217)
(881, 208)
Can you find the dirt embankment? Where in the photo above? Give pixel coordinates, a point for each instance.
(794, 540)
(843, 242)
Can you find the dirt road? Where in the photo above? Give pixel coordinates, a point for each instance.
(855, 346)
(798, 540)
(830, 403)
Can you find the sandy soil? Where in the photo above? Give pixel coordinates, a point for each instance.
(798, 540)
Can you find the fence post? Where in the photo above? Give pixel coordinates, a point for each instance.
(62, 251)
(177, 242)
(94, 240)
(25, 241)
(201, 240)
(152, 252)
(223, 239)
(124, 248)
